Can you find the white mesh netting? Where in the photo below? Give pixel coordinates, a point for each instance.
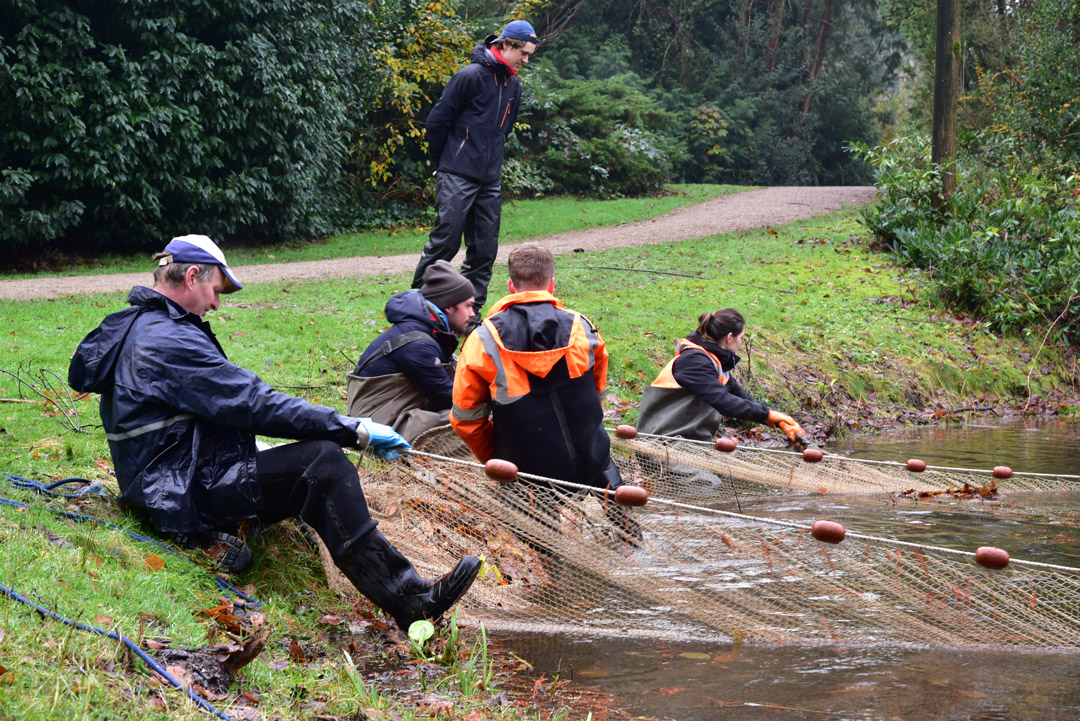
(564, 557)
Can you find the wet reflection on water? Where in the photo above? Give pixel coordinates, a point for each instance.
(694, 681)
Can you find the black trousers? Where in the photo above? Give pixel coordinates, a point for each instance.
(316, 482)
(465, 209)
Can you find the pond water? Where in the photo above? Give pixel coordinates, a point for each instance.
(691, 680)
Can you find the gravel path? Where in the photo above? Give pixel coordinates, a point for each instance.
(739, 211)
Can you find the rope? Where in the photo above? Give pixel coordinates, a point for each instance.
(48, 489)
(20, 482)
(744, 517)
(92, 488)
(781, 451)
(154, 665)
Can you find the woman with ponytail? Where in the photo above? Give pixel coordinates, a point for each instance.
(696, 390)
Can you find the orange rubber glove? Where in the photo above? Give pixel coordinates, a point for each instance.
(787, 424)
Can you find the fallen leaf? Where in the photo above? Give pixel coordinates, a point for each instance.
(55, 539)
(254, 644)
(181, 674)
(154, 563)
(103, 620)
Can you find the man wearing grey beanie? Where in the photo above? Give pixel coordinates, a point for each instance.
(405, 378)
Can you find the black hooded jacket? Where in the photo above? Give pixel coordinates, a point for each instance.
(468, 127)
(181, 419)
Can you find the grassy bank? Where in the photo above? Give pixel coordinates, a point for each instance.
(521, 220)
(838, 336)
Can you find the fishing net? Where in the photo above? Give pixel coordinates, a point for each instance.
(566, 557)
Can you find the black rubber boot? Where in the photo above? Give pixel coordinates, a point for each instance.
(232, 554)
(381, 573)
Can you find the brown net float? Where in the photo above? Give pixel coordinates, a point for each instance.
(828, 531)
(725, 444)
(502, 471)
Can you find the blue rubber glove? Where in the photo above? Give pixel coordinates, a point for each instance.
(380, 439)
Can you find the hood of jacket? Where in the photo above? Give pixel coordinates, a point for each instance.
(93, 366)
(411, 306)
(534, 329)
(482, 55)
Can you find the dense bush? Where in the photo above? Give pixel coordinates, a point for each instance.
(593, 137)
(760, 92)
(1006, 245)
(125, 123)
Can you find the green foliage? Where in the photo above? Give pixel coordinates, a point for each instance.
(756, 98)
(477, 674)
(1006, 246)
(124, 124)
(418, 48)
(594, 137)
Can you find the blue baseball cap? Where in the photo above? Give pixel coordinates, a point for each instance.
(200, 249)
(519, 30)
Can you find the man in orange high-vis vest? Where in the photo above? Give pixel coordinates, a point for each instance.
(530, 380)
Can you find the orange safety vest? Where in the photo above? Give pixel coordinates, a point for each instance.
(538, 408)
(668, 409)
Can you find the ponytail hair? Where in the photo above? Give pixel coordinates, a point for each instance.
(716, 325)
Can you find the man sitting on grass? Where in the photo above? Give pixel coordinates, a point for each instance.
(181, 421)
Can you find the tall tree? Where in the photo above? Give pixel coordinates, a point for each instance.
(946, 85)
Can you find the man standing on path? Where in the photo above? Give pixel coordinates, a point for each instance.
(181, 421)
(466, 132)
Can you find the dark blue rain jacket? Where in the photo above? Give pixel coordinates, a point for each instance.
(428, 362)
(467, 129)
(181, 419)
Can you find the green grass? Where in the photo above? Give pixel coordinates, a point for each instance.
(851, 330)
(521, 220)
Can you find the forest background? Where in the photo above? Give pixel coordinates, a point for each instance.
(266, 122)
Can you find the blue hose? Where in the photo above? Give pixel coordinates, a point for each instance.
(157, 668)
(49, 490)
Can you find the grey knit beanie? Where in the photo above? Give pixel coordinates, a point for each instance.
(444, 286)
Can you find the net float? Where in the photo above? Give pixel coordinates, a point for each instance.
(502, 471)
(626, 432)
(727, 445)
(828, 531)
(992, 557)
(1002, 472)
(812, 455)
(915, 465)
(631, 496)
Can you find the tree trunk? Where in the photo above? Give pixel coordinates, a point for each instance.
(819, 50)
(946, 89)
(776, 26)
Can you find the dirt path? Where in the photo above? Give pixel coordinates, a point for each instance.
(740, 211)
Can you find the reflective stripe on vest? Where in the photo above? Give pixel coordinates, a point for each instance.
(511, 383)
(148, 428)
(666, 379)
(476, 414)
